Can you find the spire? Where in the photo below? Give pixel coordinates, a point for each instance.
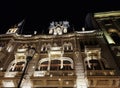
(20, 26)
(17, 28)
(90, 22)
(20, 23)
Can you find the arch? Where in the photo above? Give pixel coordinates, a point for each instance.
(9, 66)
(43, 60)
(67, 46)
(44, 47)
(13, 66)
(62, 59)
(70, 46)
(48, 46)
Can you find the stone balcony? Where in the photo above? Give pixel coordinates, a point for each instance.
(50, 79)
(103, 79)
(101, 73)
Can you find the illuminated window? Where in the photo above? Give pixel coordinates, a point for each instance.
(56, 64)
(43, 66)
(68, 46)
(18, 66)
(44, 47)
(93, 65)
(67, 65)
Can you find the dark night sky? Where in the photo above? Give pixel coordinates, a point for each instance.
(38, 14)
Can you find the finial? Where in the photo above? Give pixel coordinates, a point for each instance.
(83, 29)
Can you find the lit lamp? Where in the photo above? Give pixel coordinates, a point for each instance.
(30, 53)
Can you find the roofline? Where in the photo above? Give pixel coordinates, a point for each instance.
(107, 14)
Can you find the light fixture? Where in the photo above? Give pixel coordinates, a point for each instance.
(29, 53)
(59, 79)
(67, 82)
(33, 67)
(1, 69)
(51, 75)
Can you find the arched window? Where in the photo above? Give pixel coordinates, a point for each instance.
(43, 66)
(55, 65)
(93, 65)
(70, 46)
(14, 67)
(48, 46)
(67, 65)
(44, 47)
(64, 63)
(65, 46)
(19, 66)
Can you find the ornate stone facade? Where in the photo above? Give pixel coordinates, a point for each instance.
(81, 59)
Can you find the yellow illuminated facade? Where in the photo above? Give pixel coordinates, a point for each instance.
(81, 59)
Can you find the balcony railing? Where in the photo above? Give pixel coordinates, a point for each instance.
(12, 74)
(101, 72)
(54, 73)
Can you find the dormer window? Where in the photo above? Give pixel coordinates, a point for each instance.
(68, 46)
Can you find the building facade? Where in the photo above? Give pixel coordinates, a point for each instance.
(63, 59)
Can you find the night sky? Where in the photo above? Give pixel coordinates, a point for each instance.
(38, 14)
